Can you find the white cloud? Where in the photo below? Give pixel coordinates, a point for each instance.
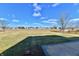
(36, 14)
(37, 7)
(43, 18)
(73, 22)
(37, 24)
(50, 21)
(3, 19)
(35, 4)
(76, 19)
(55, 4)
(15, 20)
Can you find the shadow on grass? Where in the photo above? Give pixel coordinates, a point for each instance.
(29, 43)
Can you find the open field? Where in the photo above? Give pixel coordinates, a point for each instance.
(10, 38)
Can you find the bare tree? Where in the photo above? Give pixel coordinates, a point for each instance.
(3, 24)
(64, 21)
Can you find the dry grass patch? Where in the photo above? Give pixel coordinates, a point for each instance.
(10, 38)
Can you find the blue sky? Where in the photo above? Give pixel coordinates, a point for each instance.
(37, 14)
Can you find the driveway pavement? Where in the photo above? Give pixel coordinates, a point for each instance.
(63, 49)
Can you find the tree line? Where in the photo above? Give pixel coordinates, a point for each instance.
(63, 21)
